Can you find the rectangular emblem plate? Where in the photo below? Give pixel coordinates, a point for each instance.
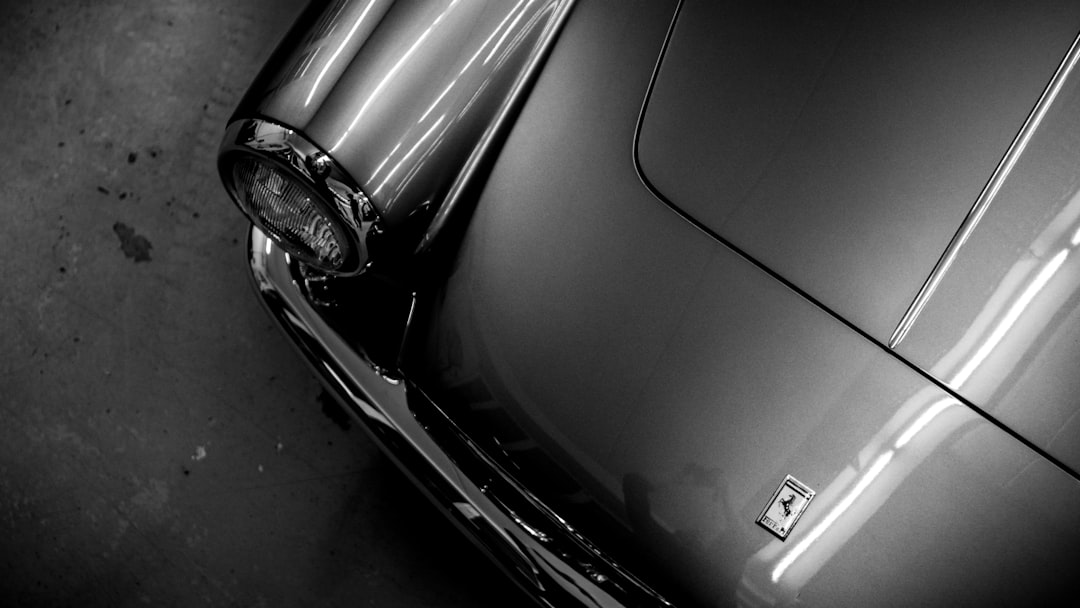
(786, 506)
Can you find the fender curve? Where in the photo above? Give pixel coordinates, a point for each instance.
(409, 97)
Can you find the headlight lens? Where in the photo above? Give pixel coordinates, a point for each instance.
(290, 211)
(298, 195)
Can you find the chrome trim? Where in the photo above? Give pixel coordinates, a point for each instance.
(547, 558)
(287, 148)
(989, 192)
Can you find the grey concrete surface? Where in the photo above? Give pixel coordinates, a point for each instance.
(161, 444)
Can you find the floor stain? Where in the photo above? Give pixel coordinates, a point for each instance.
(134, 246)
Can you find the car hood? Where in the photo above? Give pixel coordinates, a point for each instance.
(842, 143)
(655, 386)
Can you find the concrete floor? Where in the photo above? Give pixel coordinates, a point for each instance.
(161, 443)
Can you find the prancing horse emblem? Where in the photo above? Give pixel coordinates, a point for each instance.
(781, 514)
(786, 503)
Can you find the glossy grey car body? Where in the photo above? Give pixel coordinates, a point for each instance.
(635, 263)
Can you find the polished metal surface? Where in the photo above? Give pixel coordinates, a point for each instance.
(1003, 326)
(548, 559)
(988, 194)
(311, 166)
(408, 96)
(655, 375)
(606, 385)
(842, 144)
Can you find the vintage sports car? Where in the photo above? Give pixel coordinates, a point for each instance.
(695, 303)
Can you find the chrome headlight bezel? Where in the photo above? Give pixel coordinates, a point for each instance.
(338, 199)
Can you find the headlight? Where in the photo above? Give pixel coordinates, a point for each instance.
(297, 195)
(285, 209)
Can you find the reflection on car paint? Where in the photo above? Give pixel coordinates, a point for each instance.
(334, 21)
(858, 492)
(1002, 320)
(681, 428)
(423, 100)
(403, 59)
(986, 197)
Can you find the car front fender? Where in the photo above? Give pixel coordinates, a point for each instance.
(409, 97)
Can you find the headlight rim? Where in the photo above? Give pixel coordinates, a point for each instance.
(337, 196)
